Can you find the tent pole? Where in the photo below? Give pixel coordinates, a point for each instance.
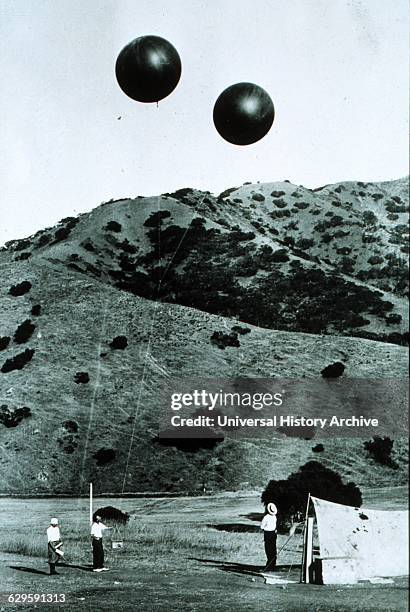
(91, 503)
(302, 568)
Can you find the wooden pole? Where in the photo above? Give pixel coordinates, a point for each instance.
(91, 503)
(305, 533)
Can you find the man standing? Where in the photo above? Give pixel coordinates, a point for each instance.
(98, 551)
(268, 526)
(54, 545)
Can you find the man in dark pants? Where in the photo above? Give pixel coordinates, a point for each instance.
(268, 526)
(98, 550)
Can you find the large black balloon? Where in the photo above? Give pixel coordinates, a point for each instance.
(243, 113)
(148, 69)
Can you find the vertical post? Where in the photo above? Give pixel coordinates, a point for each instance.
(309, 549)
(91, 503)
(305, 533)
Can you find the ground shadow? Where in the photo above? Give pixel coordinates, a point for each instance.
(84, 568)
(235, 527)
(253, 516)
(242, 568)
(30, 570)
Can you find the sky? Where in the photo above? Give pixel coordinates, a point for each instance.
(336, 71)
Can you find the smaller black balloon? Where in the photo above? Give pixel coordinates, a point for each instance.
(148, 69)
(243, 113)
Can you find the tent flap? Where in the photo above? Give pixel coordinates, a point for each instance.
(359, 544)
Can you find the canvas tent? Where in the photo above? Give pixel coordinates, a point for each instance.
(358, 544)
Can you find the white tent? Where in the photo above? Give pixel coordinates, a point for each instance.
(358, 544)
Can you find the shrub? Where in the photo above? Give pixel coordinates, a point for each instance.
(280, 256)
(104, 456)
(393, 319)
(375, 259)
(18, 362)
(12, 417)
(290, 496)
(113, 226)
(222, 340)
(334, 370)
(24, 332)
(280, 203)
(20, 289)
(43, 240)
(119, 343)
(241, 330)
(61, 234)
(81, 377)
(259, 197)
(88, 246)
(305, 243)
(319, 448)
(109, 513)
(71, 426)
(380, 449)
(36, 310)
(369, 217)
(4, 342)
(23, 256)
(302, 205)
(155, 219)
(278, 194)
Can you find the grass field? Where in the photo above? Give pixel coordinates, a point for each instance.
(194, 554)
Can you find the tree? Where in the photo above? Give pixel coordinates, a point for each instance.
(290, 496)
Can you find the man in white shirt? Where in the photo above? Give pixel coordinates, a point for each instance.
(98, 551)
(268, 525)
(54, 545)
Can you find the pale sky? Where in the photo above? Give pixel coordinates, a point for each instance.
(335, 69)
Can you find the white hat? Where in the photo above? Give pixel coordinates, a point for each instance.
(54, 521)
(272, 509)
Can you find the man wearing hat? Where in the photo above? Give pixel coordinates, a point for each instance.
(54, 545)
(268, 526)
(97, 528)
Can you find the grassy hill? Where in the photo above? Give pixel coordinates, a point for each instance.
(168, 272)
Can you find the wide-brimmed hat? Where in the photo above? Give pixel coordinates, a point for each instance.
(53, 521)
(271, 508)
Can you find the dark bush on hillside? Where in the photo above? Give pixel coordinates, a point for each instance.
(71, 426)
(24, 332)
(343, 251)
(88, 246)
(12, 417)
(369, 217)
(280, 256)
(81, 378)
(302, 205)
(375, 259)
(190, 445)
(334, 370)
(127, 247)
(119, 343)
(319, 448)
(259, 197)
(278, 194)
(36, 310)
(23, 256)
(61, 234)
(393, 319)
(155, 219)
(280, 203)
(305, 243)
(113, 226)
(18, 362)
(377, 196)
(20, 289)
(392, 207)
(380, 450)
(241, 330)
(222, 340)
(111, 514)
(290, 496)
(104, 456)
(4, 342)
(43, 240)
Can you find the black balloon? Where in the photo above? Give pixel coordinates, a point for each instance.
(148, 69)
(243, 113)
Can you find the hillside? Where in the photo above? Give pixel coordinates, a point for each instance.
(168, 272)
